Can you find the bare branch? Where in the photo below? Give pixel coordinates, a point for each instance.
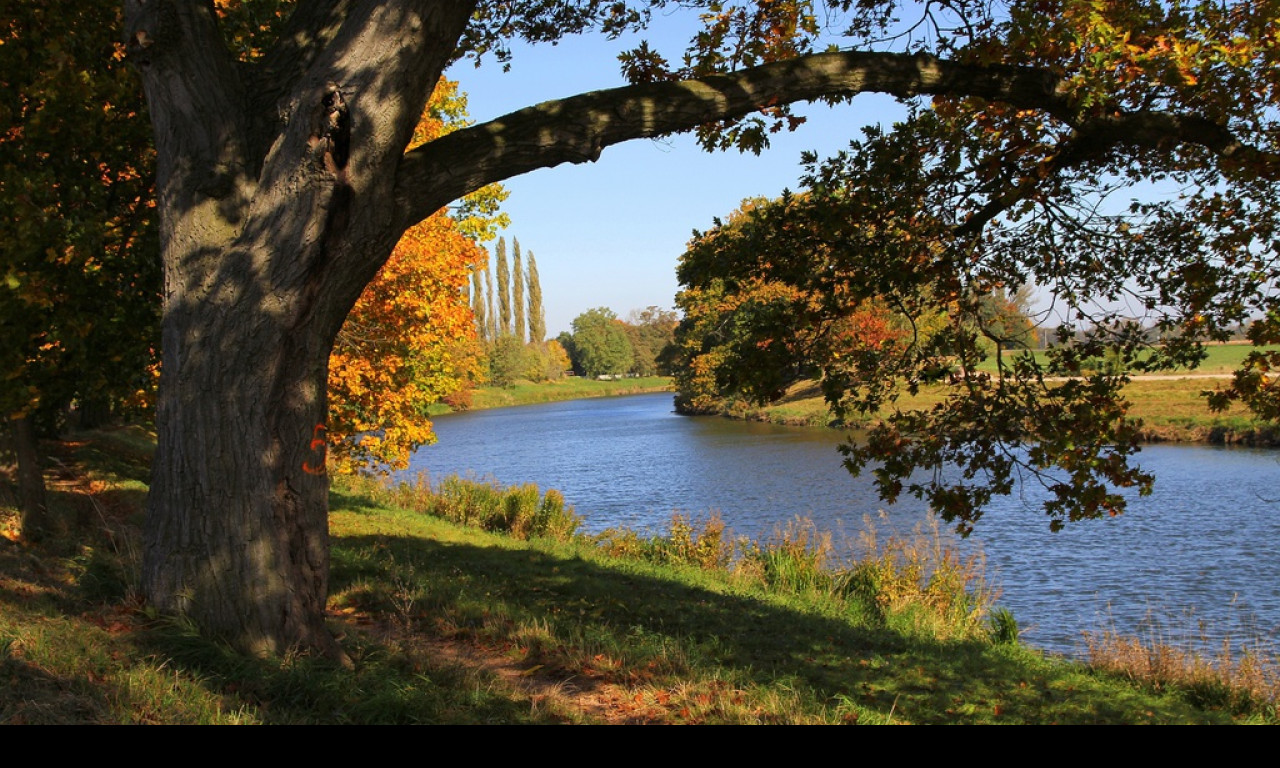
(576, 129)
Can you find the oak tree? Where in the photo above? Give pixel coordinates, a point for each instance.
(968, 201)
(283, 185)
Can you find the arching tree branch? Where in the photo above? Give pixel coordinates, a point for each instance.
(576, 129)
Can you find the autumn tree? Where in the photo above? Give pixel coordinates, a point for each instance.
(1003, 321)
(407, 344)
(754, 319)
(546, 361)
(283, 185)
(410, 340)
(537, 318)
(79, 274)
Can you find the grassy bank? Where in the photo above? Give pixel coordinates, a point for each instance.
(1219, 360)
(571, 388)
(1171, 409)
(474, 605)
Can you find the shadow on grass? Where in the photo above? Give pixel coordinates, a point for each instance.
(674, 632)
(66, 660)
(33, 696)
(386, 687)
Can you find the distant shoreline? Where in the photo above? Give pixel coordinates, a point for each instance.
(571, 388)
(1171, 408)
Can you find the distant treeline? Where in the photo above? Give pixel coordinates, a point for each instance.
(604, 345)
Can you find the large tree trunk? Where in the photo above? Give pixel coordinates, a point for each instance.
(275, 185)
(237, 528)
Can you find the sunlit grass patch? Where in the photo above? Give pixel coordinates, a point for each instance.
(569, 388)
(522, 511)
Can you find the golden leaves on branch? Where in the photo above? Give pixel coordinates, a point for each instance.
(410, 340)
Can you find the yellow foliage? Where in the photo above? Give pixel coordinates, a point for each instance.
(408, 343)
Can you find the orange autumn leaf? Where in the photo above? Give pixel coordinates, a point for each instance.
(410, 339)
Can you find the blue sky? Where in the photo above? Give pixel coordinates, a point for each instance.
(610, 233)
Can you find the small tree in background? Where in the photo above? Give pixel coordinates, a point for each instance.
(478, 300)
(491, 317)
(601, 344)
(504, 288)
(651, 332)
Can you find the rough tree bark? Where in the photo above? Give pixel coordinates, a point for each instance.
(282, 188)
(274, 186)
(31, 495)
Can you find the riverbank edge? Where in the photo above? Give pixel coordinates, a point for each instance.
(1157, 428)
(450, 623)
(572, 388)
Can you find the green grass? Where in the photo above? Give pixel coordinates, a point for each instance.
(570, 388)
(77, 646)
(668, 633)
(447, 622)
(1220, 359)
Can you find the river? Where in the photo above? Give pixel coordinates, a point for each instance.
(1193, 562)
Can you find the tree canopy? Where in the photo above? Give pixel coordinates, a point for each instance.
(283, 184)
(1106, 204)
(78, 271)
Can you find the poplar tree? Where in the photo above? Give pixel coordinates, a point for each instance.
(517, 291)
(491, 326)
(537, 321)
(504, 289)
(477, 302)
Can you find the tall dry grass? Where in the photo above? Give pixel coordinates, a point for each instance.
(922, 581)
(1243, 677)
